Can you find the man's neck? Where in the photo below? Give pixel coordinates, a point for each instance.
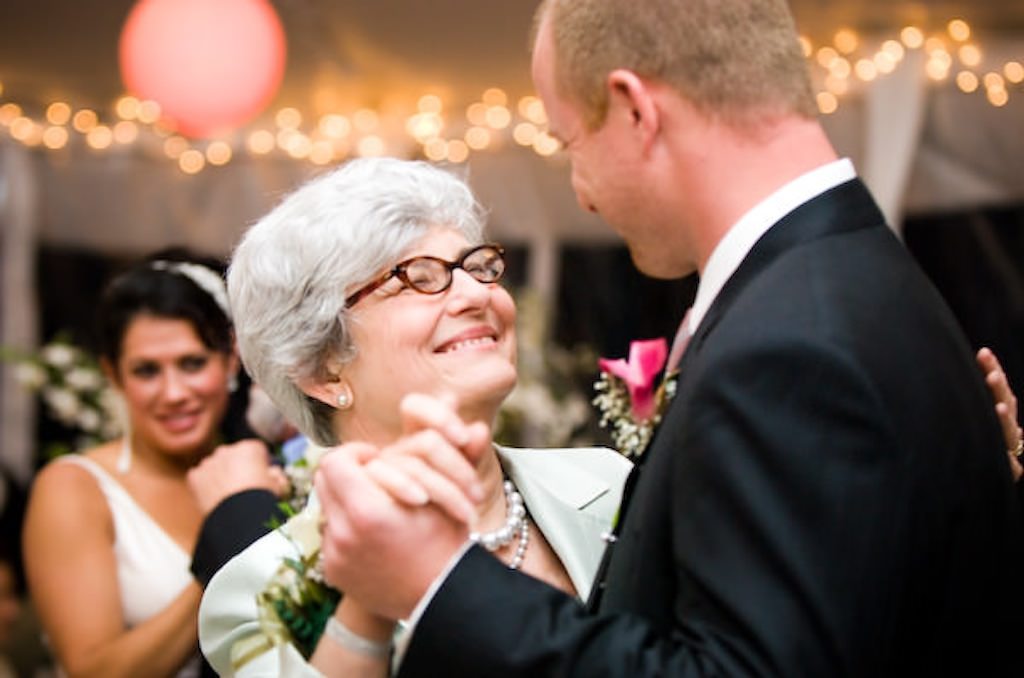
(739, 169)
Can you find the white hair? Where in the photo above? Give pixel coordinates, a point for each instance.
(293, 269)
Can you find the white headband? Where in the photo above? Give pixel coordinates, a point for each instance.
(203, 277)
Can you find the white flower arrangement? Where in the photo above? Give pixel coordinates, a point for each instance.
(72, 387)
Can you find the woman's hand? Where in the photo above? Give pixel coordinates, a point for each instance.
(231, 469)
(433, 462)
(1006, 407)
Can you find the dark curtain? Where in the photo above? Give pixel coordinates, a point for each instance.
(976, 260)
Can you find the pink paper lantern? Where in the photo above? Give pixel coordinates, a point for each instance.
(211, 64)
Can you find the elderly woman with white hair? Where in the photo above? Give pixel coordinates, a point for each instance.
(370, 283)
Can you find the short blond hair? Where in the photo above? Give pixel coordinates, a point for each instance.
(738, 60)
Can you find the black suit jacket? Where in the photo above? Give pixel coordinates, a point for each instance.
(828, 494)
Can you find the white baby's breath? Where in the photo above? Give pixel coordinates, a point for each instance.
(629, 437)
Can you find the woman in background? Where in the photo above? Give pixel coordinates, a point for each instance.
(109, 533)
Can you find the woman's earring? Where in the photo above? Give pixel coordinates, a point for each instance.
(344, 399)
(232, 382)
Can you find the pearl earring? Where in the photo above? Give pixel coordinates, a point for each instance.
(344, 400)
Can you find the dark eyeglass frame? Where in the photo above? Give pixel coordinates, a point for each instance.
(399, 271)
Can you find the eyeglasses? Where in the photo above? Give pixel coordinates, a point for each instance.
(431, 275)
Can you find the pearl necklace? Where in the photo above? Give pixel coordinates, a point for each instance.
(516, 522)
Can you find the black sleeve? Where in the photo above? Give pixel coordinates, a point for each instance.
(231, 526)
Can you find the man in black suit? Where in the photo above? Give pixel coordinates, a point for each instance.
(828, 492)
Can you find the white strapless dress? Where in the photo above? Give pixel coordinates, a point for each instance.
(152, 569)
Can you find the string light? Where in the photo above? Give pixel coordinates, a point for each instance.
(827, 103)
(334, 126)
(21, 128)
(458, 151)
(494, 97)
(524, 133)
(498, 117)
(894, 49)
(58, 113)
(128, 108)
(175, 147)
(967, 81)
(218, 153)
(288, 118)
(1014, 72)
(84, 120)
(260, 142)
(126, 132)
(846, 41)
(970, 55)
(912, 37)
(149, 112)
(545, 144)
(55, 137)
(866, 70)
(99, 137)
(477, 138)
(436, 150)
(476, 114)
(843, 66)
(191, 161)
(959, 30)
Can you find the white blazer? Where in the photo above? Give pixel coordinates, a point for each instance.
(572, 496)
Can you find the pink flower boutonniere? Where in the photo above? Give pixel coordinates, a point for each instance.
(630, 402)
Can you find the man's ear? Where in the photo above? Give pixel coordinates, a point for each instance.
(630, 96)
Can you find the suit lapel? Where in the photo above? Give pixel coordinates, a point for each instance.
(847, 207)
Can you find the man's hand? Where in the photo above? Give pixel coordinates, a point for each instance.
(230, 469)
(435, 461)
(379, 550)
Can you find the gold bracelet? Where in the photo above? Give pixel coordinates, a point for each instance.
(1019, 450)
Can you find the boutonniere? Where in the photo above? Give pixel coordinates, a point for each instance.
(630, 402)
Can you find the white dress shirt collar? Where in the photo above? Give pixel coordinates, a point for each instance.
(744, 234)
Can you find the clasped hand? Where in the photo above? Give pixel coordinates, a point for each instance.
(394, 516)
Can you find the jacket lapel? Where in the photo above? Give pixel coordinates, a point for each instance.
(557, 493)
(847, 207)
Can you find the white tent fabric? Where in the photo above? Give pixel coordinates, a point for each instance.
(18, 308)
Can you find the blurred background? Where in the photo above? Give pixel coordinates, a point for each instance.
(128, 126)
